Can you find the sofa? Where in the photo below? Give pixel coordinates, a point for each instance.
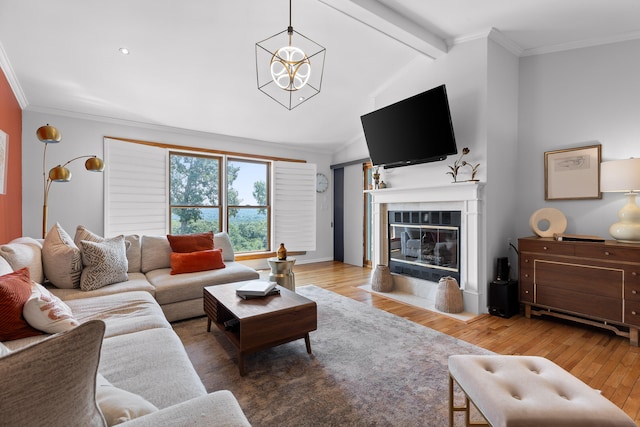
(133, 367)
(149, 269)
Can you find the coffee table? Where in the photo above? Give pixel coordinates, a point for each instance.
(260, 323)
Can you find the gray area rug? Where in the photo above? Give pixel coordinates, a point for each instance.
(368, 368)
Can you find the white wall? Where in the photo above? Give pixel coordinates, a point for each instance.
(571, 99)
(81, 200)
(501, 156)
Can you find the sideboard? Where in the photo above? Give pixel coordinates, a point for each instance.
(596, 283)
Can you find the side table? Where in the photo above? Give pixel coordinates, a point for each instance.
(282, 272)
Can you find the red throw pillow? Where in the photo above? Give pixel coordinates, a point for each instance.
(15, 290)
(196, 261)
(191, 242)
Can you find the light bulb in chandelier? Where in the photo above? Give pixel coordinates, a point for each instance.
(290, 68)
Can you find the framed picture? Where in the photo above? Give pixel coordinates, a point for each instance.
(573, 173)
(4, 161)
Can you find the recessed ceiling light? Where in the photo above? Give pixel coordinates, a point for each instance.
(124, 51)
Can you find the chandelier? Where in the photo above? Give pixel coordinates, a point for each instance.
(289, 74)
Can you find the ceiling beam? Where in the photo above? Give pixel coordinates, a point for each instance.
(389, 22)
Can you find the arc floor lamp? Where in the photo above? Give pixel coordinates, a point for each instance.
(50, 135)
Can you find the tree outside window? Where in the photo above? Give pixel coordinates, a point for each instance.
(194, 193)
(247, 205)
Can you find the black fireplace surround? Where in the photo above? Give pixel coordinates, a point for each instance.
(425, 244)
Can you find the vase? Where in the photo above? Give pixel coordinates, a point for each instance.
(449, 296)
(381, 279)
(282, 252)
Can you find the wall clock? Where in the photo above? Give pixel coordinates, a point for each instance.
(322, 183)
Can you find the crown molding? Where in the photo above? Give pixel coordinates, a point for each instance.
(599, 41)
(492, 34)
(6, 67)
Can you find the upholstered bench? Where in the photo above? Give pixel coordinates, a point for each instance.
(528, 391)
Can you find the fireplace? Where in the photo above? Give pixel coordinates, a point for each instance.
(466, 198)
(424, 244)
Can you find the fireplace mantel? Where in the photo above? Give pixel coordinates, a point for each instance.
(465, 197)
(449, 193)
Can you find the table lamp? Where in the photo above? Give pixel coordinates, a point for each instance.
(623, 176)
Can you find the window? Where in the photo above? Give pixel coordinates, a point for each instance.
(194, 197)
(155, 189)
(248, 210)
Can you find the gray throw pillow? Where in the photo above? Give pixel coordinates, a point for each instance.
(104, 263)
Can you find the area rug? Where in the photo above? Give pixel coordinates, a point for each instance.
(368, 368)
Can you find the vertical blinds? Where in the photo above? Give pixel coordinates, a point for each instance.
(137, 195)
(136, 189)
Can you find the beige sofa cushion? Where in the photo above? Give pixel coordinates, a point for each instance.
(118, 405)
(136, 282)
(156, 253)
(24, 252)
(153, 364)
(122, 313)
(181, 287)
(56, 390)
(222, 241)
(220, 409)
(61, 259)
(133, 253)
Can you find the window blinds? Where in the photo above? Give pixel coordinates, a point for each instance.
(136, 189)
(294, 205)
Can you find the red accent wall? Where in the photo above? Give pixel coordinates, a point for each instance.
(11, 201)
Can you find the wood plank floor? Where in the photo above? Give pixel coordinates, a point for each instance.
(599, 358)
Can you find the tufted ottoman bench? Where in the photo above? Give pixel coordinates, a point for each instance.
(528, 391)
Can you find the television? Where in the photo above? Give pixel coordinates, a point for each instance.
(412, 131)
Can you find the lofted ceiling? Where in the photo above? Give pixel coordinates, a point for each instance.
(192, 62)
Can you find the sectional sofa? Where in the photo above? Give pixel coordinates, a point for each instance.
(142, 375)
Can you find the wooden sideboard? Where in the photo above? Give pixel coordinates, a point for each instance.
(589, 282)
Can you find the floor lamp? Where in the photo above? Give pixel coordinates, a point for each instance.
(50, 135)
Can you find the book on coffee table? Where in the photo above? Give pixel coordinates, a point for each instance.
(255, 288)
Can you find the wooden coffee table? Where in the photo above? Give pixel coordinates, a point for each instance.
(261, 322)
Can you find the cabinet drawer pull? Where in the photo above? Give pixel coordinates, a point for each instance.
(545, 248)
(526, 292)
(526, 275)
(633, 312)
(634, 292)
(607, 253)
(633, 273)
(527, 260)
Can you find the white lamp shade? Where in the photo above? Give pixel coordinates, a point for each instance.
(621, 176)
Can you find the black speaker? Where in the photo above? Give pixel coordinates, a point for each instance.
(503, 269)
(503, 298)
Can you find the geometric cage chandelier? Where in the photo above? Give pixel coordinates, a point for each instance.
(289, 67)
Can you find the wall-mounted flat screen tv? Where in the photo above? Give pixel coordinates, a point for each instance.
(415, 130)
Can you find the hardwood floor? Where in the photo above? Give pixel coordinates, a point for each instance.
(599, 358)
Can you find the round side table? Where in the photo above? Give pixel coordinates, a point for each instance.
(282, 272)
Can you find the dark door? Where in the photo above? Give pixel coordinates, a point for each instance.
(338, 214)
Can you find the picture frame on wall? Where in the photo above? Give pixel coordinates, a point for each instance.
(573, 173)
(4, 161)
